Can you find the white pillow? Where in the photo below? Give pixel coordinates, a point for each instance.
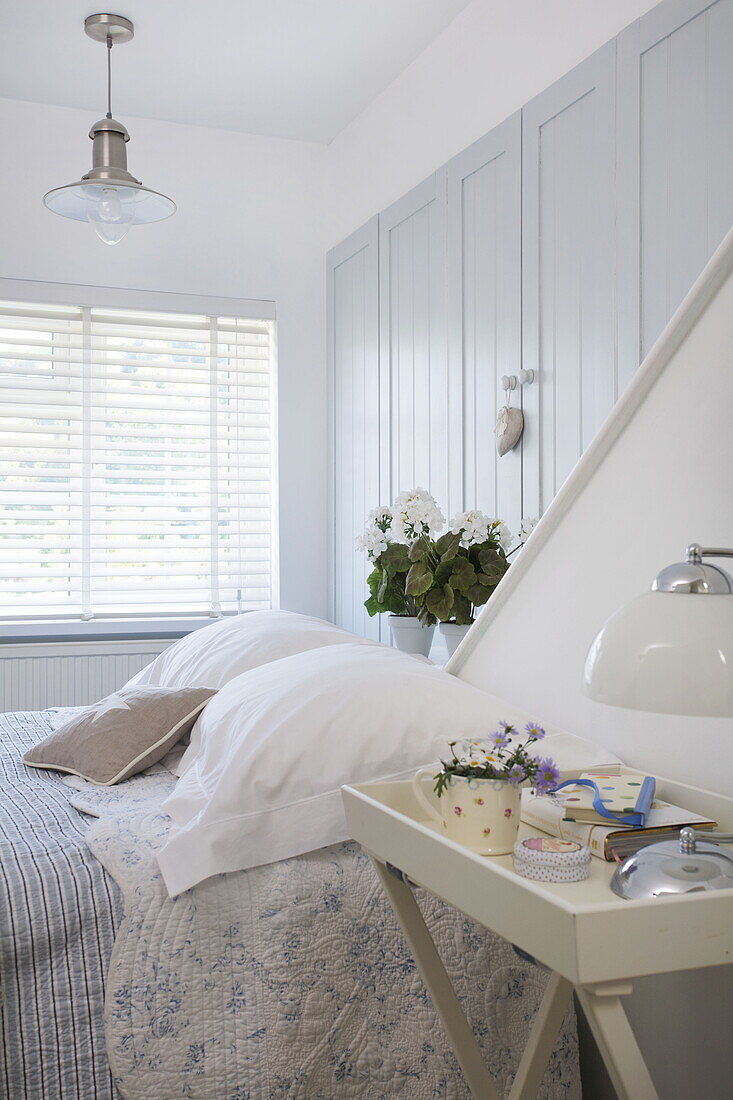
(215, 654)
(277, 744)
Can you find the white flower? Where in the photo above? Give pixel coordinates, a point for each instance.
(475, 527)
(380, 518)
(472, 526)
(415, 513)
(474, 751)
(502, 532)
(372, 542)
(526, 528)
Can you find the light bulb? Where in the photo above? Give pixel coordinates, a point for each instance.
(110, 213)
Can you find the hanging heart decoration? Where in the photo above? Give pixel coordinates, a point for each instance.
(509, 428)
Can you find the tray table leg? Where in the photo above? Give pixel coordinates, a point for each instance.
(543, 1035)
(439, 985)
(616, 1042)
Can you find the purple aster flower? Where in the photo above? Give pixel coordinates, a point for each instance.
(516, 774)
(548, 776)
(507, 727)
(500, 739)
(535, 732)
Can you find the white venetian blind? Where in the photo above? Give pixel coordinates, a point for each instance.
(135, 462)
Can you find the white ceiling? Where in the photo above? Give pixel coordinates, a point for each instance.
(290, 68)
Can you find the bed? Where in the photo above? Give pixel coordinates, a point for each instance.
(59, 913)
(289, 980)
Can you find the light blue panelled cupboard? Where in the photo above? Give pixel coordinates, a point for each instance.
(561, 243)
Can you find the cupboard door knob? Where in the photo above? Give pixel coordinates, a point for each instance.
(526, 377)
(508, 381)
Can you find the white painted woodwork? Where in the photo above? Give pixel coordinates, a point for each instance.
(653, 480)
(568, 272)
(582, 931)
(353, 353)
(420, 403)
(70, 674)
(485, 311)
(472, 288)
(675, 161)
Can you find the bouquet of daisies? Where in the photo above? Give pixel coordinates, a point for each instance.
(503, 755)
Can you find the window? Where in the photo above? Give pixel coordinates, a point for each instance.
(136, 470)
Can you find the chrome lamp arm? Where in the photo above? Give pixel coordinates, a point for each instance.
(689, 836)
(696, 553)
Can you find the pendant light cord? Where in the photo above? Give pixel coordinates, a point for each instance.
(109, 76)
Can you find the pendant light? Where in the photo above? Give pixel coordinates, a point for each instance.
(108, 196)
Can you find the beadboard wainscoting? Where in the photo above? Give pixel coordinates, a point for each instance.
(69, 674)
(560, 243)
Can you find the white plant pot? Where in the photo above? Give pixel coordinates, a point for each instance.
(410, 635)
(481, 814)
(453, 635)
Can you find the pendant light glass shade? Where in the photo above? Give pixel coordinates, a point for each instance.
(110, 206)
(108, 196)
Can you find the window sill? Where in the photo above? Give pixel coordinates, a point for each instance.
(26, 633)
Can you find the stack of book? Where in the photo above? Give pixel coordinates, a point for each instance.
(569, 815)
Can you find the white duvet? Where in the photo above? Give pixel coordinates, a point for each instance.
(292, 980)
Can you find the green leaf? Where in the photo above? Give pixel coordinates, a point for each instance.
(383, 586)
(439, 602)
(373, 608)
(463, 574)
(491, 559)
(395, 559)
(462, 609)
(448, 545)
(419, 579)
(420, 549)
(443, 572)
(478, 594)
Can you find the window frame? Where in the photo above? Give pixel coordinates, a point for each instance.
(50, 629)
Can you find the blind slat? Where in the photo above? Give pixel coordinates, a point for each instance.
(135, 462)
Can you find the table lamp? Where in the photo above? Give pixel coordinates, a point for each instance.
(670, 650)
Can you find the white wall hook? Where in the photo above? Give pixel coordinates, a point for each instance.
(509, 381)
(526, 377)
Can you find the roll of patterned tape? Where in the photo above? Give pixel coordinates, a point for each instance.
(549, 859)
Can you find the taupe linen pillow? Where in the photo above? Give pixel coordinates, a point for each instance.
(122, 735)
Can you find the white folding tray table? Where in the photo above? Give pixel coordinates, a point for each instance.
(593, 941)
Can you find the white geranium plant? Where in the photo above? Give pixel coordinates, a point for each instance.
(436, 577)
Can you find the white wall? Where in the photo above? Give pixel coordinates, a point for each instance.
(249, 224)
(484, 66)
(653, 480)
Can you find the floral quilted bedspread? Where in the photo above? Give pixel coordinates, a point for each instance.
(292, 980)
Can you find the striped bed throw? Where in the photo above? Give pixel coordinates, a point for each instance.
(59, 912)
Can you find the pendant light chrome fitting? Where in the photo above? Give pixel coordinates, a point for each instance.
(109, 197)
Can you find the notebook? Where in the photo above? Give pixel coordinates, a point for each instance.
(599, 798)
(664, 821)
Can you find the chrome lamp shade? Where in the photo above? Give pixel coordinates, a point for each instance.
(108, 196)
(670, 650)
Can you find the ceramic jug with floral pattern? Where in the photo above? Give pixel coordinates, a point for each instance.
(481, 814)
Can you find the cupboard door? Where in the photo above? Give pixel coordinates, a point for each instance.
(353, 354)
(418, 398)
(568, 272)
(675, 161)
(485, 311)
